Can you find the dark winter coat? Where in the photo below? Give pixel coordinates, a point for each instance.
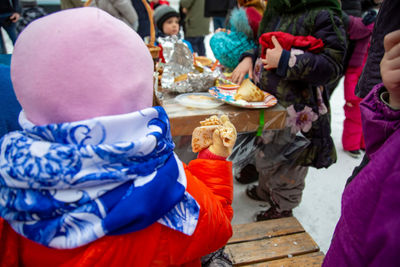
(299, 75)
(356, 7)
(9, 6)
(9, 106)
(352, 7)
(144, 21)
(388, 20)
(218, 8)
(368, 230)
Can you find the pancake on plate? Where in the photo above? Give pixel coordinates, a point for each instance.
(249, 92)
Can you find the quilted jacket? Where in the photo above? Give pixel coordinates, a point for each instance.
(302, 77)
(368, 229)
(208, 181)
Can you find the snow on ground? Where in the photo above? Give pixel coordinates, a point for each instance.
(319, 210)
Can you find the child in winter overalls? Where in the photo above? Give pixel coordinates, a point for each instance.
(298, 78)
(359, 31)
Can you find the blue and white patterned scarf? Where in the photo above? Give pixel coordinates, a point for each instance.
(65, 185)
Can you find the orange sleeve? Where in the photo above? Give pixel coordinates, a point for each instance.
(136, 249)
(155, 245)
(210, 183)
(217, 176)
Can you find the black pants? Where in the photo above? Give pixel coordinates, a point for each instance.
(197, 45)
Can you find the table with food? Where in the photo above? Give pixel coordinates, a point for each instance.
(193, 88)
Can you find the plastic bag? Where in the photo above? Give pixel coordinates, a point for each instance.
(274, 148)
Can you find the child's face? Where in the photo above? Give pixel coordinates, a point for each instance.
(171, 26)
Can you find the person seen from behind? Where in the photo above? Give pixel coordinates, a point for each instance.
(92, 177)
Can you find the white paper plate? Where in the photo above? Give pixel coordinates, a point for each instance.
(227, 97)
(198, 100)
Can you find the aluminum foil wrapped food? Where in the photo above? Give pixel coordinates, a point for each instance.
(180, 75)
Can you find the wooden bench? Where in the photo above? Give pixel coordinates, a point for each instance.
(280, 242)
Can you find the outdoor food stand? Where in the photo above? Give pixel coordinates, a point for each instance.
(190, 89)
(185, 119)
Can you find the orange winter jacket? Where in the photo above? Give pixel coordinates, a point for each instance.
(208, 181)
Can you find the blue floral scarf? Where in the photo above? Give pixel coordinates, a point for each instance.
(65, 185)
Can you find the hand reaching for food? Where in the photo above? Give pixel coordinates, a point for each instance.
(215, 133)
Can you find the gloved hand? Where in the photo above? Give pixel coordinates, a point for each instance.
(217, 134)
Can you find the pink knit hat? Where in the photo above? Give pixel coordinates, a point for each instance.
(78, 64)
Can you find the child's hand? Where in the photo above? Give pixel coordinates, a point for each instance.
(244, 67)
(390, 67)
(273, 55)
(224, 138)
(217, 134)
(223, 30)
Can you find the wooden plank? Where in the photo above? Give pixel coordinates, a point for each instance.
(314, 259)
(265, 229)
(244, 121)
(271, 248)
(184, 120)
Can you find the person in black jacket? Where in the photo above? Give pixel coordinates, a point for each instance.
(218, 11)
(386, 22)
(9, 15)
